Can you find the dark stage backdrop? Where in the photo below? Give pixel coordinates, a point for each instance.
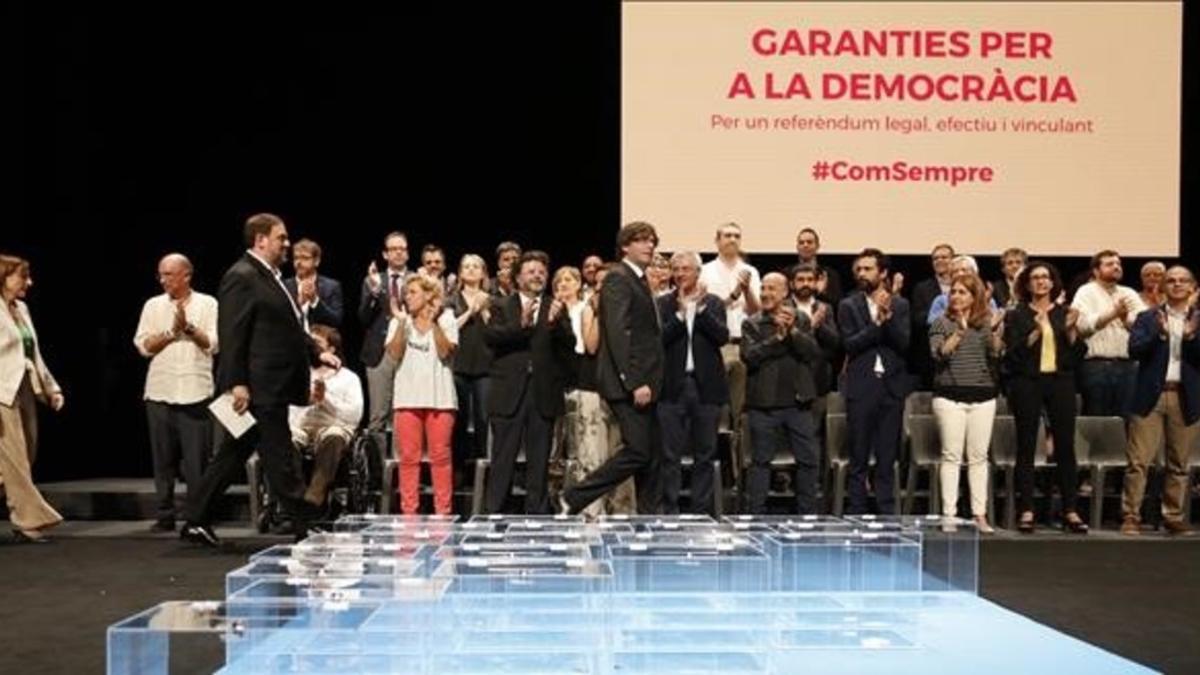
(138, 132)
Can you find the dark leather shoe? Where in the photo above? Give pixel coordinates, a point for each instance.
(200, 534)
(1176, 527)
(1075, 525)
(22, 537)
(163, 525)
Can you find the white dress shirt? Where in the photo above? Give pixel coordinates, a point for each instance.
(181, 373)
(873, 310)
(278, 277)
(1176, 322)
(1093, 301)
(721, 280)
(342, 406)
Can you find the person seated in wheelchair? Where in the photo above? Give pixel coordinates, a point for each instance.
(327, 425)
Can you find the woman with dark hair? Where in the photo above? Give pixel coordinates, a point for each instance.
(24, 379)
(1042, 350)
(965, 350)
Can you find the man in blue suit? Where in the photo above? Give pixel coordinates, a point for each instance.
(1167, 395)
(874, 326)
(319, 297)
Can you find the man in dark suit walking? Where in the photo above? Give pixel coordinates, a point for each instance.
(265, 364)
(875, 334)
(319, 297)
(629, 371)
(694, 385)
(532, 343)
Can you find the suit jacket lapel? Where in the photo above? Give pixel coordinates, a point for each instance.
(277, 286)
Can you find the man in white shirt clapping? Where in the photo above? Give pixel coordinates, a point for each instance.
(177, 331)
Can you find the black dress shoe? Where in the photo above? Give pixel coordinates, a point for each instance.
(163, 525)
(200, 534)
(21, 537)
(1075, 525)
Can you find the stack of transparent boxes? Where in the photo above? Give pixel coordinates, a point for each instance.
(521, 594)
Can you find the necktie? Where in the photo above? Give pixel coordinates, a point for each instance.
(395, 288)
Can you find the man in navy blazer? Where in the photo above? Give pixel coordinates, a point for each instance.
(1167, 395)
(875, 329)
(694, 385)
(374, 313)
(319, 297)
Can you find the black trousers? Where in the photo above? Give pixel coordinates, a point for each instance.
(1054, 393)
(525, 426)
(874, 421)
(472, 391)
(765, 425)
(639, 457)
(688, 421)
(181, 438)
(272, 438)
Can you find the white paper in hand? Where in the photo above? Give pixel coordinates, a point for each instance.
(235, 424)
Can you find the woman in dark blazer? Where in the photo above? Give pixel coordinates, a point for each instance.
(1041, 376)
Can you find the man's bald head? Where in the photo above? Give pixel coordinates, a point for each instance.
(774, 291)
(175, 274)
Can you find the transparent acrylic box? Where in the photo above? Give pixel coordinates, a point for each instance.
(522, 615)
(278, 579)
(838, 560)
(950, 550)
(553, 595)
(686, 565)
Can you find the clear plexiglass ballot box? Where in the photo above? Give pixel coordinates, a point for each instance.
(563, 595)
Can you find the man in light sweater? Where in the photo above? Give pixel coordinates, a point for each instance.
(328, 423)
(1107, 310)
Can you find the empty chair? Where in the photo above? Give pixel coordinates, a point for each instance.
(1102, 441)
(925, 447)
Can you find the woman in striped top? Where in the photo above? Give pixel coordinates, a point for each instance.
(965, 346)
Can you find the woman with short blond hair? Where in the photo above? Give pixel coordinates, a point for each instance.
(422, 338)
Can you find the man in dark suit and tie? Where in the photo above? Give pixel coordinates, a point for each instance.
(875, 327)
(319, 297)
(694, 386)
(532, 343)
(374, 313)
(629, 372)
(264, 363)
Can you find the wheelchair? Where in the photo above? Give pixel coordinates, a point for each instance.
(356, 488)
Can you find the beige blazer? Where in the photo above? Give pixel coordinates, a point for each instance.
(13, 364)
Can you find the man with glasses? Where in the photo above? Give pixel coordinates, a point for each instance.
(177, 332)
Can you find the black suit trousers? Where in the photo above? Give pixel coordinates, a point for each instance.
(874, 422)
(526, 424)
(638, 458)
(272, 438)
